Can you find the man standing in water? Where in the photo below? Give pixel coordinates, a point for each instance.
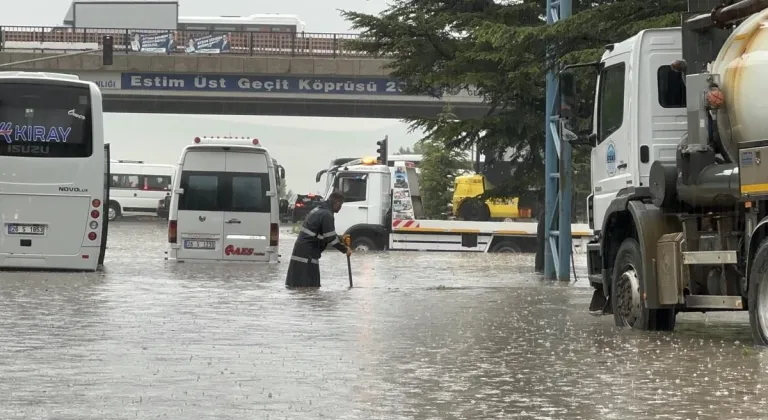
(316, 234)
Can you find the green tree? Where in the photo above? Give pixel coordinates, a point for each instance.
(282, 191)
(415, 150)
(500, 50)
(439, 168)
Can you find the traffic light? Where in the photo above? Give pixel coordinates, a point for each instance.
(382, 151)
(107, 49)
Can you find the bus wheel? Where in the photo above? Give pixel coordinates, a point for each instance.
(758, 295)
(113, 213)
(363, 244)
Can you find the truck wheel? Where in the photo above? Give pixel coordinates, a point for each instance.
(758, 295)
(506, 246)
(113, 212)
(363, 244)
(628, 308)
(473, 209)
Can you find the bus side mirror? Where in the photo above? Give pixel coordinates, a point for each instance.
(592, 139)
(282, 172)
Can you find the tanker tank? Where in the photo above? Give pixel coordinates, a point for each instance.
(743, 65)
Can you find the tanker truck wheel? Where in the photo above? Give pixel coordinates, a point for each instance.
(628, 309)
(758, 295)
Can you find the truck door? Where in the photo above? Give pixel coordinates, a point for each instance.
(613, 158)
(355, 208)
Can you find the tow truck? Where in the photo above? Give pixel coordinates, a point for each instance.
(383, 211)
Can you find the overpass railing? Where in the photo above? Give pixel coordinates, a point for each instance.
(38, 38)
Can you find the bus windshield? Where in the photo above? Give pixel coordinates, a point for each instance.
(45, 121)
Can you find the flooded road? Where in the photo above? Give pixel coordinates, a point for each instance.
(420, 336)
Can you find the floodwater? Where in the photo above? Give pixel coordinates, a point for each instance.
(420, 336)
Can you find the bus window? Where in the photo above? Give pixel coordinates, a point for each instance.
(157, 183)
(45, 121)
(249, 193)
(125, 181)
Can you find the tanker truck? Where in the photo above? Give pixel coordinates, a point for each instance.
(679, 202)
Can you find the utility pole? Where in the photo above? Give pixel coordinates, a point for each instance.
(557, 218)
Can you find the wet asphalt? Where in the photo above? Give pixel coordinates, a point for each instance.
(420, 336)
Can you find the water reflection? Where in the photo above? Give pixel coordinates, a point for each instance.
(419, 336)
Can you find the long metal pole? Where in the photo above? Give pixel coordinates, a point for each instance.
(557, 252)
(566, 191)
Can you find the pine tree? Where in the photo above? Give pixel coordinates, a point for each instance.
(439, 168)
(500, 50)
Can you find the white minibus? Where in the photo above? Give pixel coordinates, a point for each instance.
(224, 203)
(136, 188)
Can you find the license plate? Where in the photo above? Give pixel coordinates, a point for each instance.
(16, 229)
(189, 244)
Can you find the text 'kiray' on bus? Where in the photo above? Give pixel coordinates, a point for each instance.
(224, 203)
(54, 168)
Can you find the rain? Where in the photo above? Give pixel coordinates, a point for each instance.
(420, 335)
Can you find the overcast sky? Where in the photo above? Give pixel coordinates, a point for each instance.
(303, 145)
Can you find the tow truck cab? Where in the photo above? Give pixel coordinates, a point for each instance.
(366, 214)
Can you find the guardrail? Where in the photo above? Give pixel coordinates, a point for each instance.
(39, 38)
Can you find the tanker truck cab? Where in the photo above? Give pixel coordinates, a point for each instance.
(639, 115)
(224, 205)
(364, 215)
(679, 200)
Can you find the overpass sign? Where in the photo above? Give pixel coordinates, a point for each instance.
(369, 88)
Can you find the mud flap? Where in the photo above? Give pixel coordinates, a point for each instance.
(599, 305)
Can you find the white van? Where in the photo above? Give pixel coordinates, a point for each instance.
(136, 187)
(224, 203)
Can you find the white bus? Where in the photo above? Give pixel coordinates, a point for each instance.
(136, 187)
(53, 172)
(262, 23)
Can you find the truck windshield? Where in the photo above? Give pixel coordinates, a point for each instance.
(352, 185)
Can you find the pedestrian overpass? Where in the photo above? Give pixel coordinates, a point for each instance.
(286, 95)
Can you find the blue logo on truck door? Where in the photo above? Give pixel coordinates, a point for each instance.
(610, 159)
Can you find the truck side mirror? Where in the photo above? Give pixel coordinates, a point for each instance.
(320, 175)
(592, 139)
(567, 95)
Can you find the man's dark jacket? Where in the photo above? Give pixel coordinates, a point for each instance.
(317, 233)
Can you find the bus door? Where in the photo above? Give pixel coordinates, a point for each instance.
(105, 206)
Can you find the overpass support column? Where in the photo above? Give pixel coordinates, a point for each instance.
(557, 170)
